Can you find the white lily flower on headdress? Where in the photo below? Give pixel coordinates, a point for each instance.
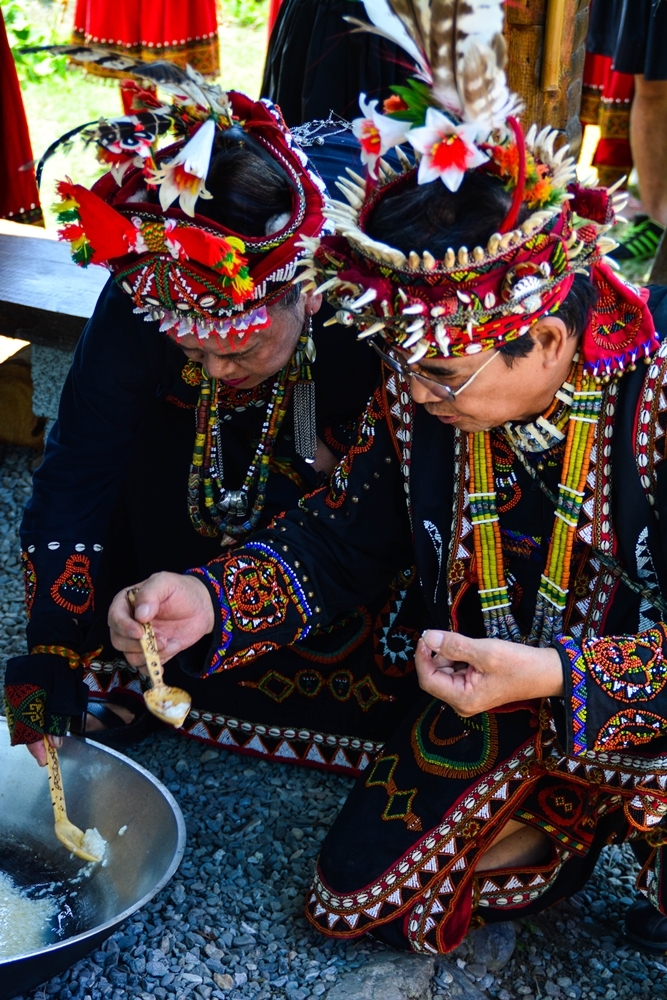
(376, 133)
(184, 177)
(447, 149)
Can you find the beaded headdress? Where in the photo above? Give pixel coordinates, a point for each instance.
(183, 269)
(458, 115)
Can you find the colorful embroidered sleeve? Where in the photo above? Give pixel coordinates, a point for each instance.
(616, 690)
(340, 548)
(42, 693)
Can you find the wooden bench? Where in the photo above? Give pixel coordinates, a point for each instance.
(44, 297)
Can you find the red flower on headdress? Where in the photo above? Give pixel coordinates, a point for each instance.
(447, 149)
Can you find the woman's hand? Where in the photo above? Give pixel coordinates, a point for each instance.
(478, 675)
(179, 608)
(38, 750)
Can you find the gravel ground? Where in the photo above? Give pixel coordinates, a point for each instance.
(230, 923)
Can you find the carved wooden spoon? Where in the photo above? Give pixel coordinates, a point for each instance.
(169, 704)
(68, 834)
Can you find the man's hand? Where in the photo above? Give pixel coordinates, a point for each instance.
(179, 608)
(38, 750)
(478, 675)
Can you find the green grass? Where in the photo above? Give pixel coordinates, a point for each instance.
(57, 100)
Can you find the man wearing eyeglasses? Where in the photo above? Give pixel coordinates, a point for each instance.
(500, 457)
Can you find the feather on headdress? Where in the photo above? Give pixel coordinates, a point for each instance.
(458, 114)
(459, 49)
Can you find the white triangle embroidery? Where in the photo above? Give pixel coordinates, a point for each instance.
(429, 925)
(446, 887)
(372, 911)
(395, 899)
(225, 736)
(437, 907)
(364, 761)
(201, 731)
(256, 744)
(489, 886)
(459, 865)
(340, 759)
(500, 793)
(332, 918)
(449, 847)
(513, 883)
(484, 812)
(538, 880)
(430, 866)
(314, 754)
(319, 910)
(586, 533)
(413, 882)
(352, 920)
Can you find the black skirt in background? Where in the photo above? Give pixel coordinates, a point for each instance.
(633, 33)
(316, 63)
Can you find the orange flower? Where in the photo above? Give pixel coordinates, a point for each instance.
(394, 104)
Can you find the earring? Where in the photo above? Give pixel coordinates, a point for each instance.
(305, 429)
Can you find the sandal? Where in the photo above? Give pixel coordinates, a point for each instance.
(118, 733)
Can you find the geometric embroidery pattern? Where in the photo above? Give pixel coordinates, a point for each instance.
(433, 879)
(399, 805)
(286, 745)
(311, 682)
(73, 590)
(260, 590)
(427, 881)
(578, 705)
(628, 668)
(29, 581)
(25, 705)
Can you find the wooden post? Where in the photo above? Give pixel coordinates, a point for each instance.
(546, 42)
(553, 40)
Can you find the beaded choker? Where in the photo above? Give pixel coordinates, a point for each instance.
(553, 591)
(225, 508)
(548, 430)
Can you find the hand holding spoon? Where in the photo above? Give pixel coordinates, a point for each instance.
(169, 704)
(68, 834)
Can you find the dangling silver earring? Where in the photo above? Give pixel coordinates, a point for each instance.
(305, 430)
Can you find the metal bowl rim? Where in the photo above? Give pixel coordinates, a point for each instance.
(121, 917)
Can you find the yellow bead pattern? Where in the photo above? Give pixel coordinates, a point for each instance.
(554, 586)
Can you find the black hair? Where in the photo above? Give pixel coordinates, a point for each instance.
(248, 187)
(575, 313)
(431, 217)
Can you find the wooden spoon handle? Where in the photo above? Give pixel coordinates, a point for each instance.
(149, 649)
(148, 646)
(55, 782)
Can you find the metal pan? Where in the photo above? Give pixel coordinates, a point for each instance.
(104, 790)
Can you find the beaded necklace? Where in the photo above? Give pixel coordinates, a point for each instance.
(553, 591)
(207, 470)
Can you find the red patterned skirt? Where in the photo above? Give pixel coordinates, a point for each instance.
(182, 31)
(606, 101)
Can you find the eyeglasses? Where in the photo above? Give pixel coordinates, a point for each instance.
(437, 388)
